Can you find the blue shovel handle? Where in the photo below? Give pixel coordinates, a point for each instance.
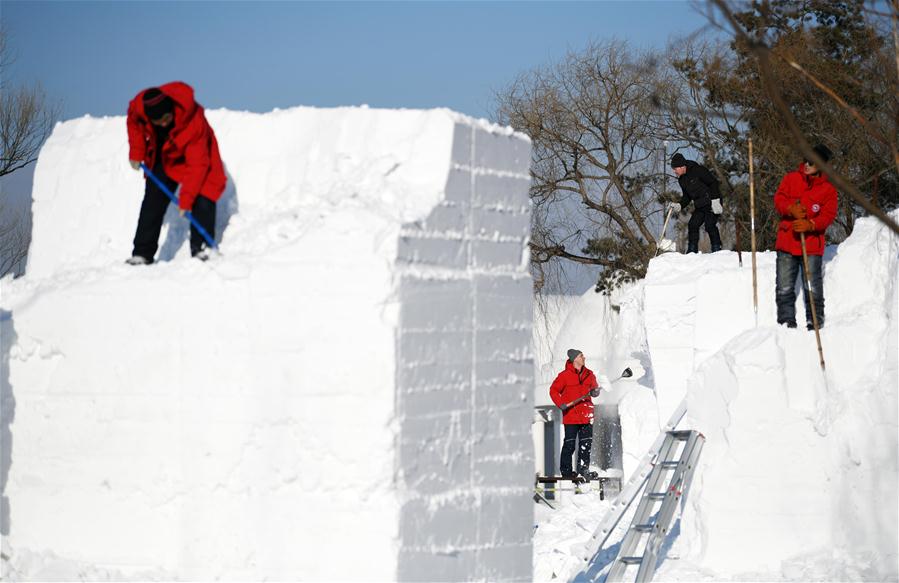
(174, 199)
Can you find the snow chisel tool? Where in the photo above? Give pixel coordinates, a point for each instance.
(755, 285)
(811, 299)
(626, 374)
(664, 228)
(188, 214)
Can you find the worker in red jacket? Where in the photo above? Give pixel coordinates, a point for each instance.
(168, 131)
(573, 383)
(807, 203)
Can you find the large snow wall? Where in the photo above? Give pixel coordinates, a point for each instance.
(800, 472)
(799, 477)
(351, 378)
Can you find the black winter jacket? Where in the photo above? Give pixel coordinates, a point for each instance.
(698, 185)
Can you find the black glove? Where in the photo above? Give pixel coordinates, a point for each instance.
(594, 392)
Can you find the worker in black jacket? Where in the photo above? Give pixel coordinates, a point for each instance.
(701, 187)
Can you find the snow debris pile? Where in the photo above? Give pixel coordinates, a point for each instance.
(800, 474)
(799, 477)
(353, 377)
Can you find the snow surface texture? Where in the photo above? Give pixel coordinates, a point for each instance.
(815, 455)
(351, 378)
(799, 477)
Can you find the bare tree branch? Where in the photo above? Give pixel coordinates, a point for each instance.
(594, 135)
(25, 122)
(761, 51)
(26, 118)
(842, 103)
(15, 238)
(894, 14)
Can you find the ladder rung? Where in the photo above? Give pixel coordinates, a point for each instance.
(669, 464)
(681, 435)
(631, 560)
(644, 527)
(657, 495)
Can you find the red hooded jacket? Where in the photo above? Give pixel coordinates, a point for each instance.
(819, 198)
(191, 154)
(568, 386)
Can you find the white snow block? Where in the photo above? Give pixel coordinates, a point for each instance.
(694, 304)
(353, 377)
(800, 470)
(466, 496)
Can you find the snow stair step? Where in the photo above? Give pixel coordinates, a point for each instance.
(667, 486)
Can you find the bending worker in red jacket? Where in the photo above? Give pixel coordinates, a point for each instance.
(572, 383)
(807, 202)
(168, 131)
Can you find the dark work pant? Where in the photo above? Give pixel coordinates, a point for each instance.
(204, 212)
(703, 216)
(152, 213)
(788, 267)
(583, 433)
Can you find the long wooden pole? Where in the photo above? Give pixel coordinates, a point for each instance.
(811, 299)
(755, 283)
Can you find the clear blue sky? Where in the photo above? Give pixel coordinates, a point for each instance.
(94, 56)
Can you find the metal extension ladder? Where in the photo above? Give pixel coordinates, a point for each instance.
(591, 550)
(669, 479)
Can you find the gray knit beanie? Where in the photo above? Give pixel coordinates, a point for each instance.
(572, 354)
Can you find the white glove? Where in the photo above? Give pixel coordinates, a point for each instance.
(716, 206)
(135, 164)
(674, 206)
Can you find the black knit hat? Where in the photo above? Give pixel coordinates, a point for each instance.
(572, 354)
(824, 152)
(157, 103)
(678, 160)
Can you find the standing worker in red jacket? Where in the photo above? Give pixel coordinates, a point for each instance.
(168, 131)
(574, 382)
(807, 203)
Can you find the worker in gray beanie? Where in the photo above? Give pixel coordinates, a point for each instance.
(576, 383)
